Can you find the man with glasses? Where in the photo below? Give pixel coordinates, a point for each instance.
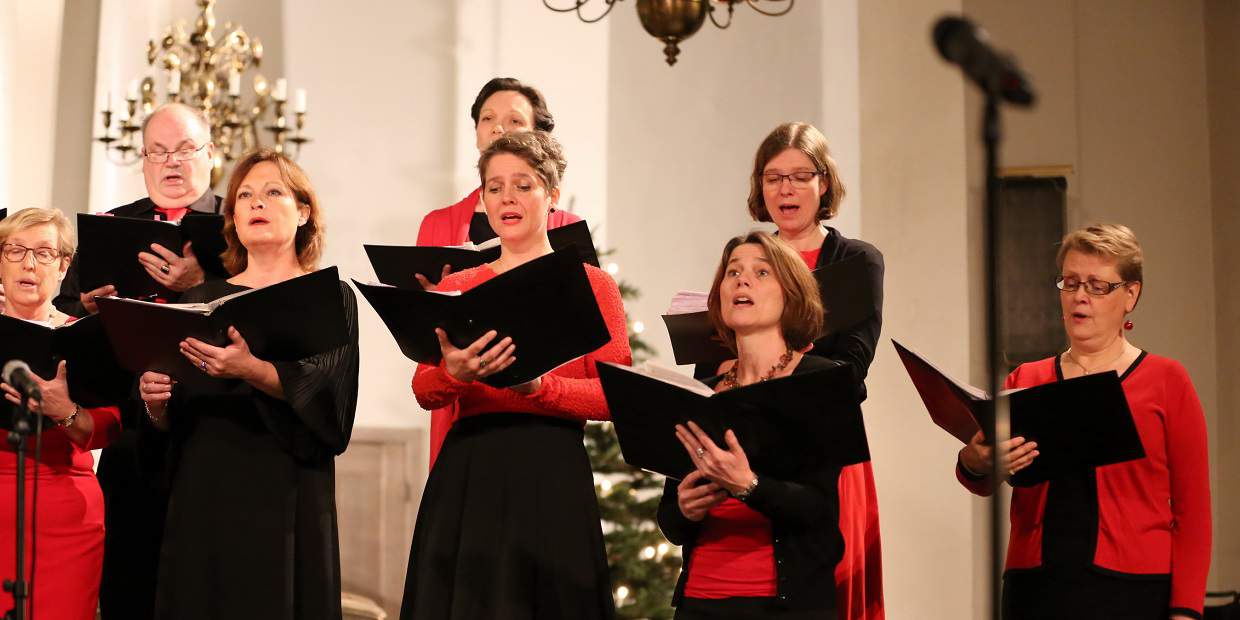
(177, 157)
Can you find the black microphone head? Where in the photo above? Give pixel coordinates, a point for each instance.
(947, 32)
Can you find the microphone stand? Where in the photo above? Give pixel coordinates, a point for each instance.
(18, 438)
(1000, 426)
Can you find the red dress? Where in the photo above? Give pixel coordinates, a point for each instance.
(859, 575)
(450, 226)
(70, 513)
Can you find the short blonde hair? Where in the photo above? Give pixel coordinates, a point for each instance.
(311, 236)
(29, 218)
(1114, 241)
(802, 319)
(806, 138)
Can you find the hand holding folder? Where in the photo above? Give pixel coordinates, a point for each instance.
(109, 246)
(289, 321)
(784, 425)
(847, 299)
(1077, 423)
(397, 265)
(93, 377)
(523, 304)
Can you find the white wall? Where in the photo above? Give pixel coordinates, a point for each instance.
(563, 58)
(913, 162)
(382, 118)
(8, 82)
(36, 54)
(682, 141)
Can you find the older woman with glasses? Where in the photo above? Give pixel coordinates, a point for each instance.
(36, 246)
(1129, 540)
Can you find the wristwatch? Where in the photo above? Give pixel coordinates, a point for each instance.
(747, 491)
(68, 421)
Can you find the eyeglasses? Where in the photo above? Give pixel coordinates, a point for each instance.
(17, 253)
(800, 179)
(1094, 287)
(185, 154)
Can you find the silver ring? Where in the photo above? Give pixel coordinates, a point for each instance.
(202, 365)
(482, 363)
(166, 268)
(701, 452)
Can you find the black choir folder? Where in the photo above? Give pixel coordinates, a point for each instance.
(395, 265)
(94, 379)
(108, 249)
(784, 425)
(284, 322)
(847, 299)
(1078, 423)
(545, 305)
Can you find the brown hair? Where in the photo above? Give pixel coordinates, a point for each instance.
(311, 236)
(1109, 241)
(66, 238)
(543, 121)
(539, 149)
(802, 319)
(806, 138)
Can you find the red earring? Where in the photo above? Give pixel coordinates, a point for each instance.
(1128, 325)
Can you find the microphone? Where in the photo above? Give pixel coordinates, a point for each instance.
(961, 42)
(17, 374)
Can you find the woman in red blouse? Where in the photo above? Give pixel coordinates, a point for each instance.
(756, 546)
(1129, 540)
(504, 105)
(36, 246)
(509, 526)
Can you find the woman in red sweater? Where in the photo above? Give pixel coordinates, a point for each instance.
(509, 526)
(756, 546)
(504, 105)
(36, 246)
(1129, 540)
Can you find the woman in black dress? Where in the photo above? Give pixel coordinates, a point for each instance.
(251, 527)
(509, 525)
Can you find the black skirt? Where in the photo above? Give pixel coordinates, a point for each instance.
(1083, 594)
(509, 526)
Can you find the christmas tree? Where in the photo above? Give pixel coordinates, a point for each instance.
(644, 566)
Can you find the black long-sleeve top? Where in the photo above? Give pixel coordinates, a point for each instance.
(804, 514)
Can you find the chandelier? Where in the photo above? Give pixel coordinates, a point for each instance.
(673, 21)
(205, 72)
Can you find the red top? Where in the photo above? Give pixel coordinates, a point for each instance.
(571, 391)
(1153, 513)
(734, 555)
(450, 226)
(810, 256)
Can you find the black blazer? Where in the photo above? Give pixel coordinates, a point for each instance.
(804, 512)
(857, 344)
(69, 300)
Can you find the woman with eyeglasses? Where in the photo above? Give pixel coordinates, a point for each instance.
(1129, 540)
(503, 106)
(36, 246)
(796, 184)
